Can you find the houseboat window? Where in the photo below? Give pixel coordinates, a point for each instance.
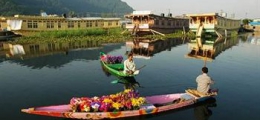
(34, 48)
(70, 24)
(89, 24)
(50, 24)
(96, 23)
(78, 24)
(156, 22)
(169, 23)
(24, 20)
(162, 23)
(29, 25)
(177, 23)
(109, 23)
(59, 24)
(35, 25)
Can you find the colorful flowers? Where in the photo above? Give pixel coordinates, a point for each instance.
(112, 59)
(126, 100)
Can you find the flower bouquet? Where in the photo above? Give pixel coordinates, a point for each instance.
(112, 59)
(126, 100)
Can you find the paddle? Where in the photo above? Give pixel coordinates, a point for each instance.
(141, 67)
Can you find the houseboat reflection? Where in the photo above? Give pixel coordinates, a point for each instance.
(209, 49)
(147, 48)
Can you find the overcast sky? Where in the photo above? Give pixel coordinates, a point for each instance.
(241, 8)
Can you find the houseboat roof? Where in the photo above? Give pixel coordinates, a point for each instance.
(224, 15)
(203, 14)
(92, 18)
(150, 14)
(28, 17)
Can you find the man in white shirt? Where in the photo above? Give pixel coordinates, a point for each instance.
(129, 65)
(204, 81)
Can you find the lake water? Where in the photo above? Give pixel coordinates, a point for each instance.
(51, 74)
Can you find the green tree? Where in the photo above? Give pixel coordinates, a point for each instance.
(247, 21)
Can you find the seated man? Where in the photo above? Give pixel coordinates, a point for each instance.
(204, 82)
(129, 65)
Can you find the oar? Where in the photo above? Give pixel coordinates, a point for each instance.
(141, 67)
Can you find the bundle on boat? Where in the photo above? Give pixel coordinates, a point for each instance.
(109, 59)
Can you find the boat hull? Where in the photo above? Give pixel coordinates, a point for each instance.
(156, 104)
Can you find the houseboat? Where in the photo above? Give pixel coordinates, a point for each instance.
(53, 22)
(147, 48)
(145, 22)
(212, 24)
(210, 48)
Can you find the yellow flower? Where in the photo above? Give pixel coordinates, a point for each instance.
(134, 102)
(106, 100)
(127, 90)
(141, 100)
(116, 105)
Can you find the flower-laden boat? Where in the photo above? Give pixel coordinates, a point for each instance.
(114, 65)
(123, 104)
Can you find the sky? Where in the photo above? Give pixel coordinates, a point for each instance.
(240, 9)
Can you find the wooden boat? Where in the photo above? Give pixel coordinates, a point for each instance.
(115, 68)
(154, 104)
(5, 35)
(145, 22)
(213, 24)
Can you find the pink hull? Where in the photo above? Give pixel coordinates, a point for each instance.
(64, 110)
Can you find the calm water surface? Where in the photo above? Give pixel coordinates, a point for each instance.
(51, 74)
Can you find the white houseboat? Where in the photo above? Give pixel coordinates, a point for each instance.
(212, 24)
(145, 22)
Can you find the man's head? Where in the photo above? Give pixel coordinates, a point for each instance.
(130, 56)
(204, 70)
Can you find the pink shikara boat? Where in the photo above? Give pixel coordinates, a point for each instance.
(154, 104)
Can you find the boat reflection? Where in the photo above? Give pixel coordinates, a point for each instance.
(209, 49)
(254, 38)
(147, 48)
(202, 110)
(128, 82)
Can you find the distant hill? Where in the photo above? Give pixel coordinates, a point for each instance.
(109, 8)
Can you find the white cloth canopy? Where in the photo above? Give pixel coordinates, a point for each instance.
(14, 24)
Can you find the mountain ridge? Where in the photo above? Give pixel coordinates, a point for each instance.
(112, 8)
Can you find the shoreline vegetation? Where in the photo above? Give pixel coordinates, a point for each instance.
(111, 35)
